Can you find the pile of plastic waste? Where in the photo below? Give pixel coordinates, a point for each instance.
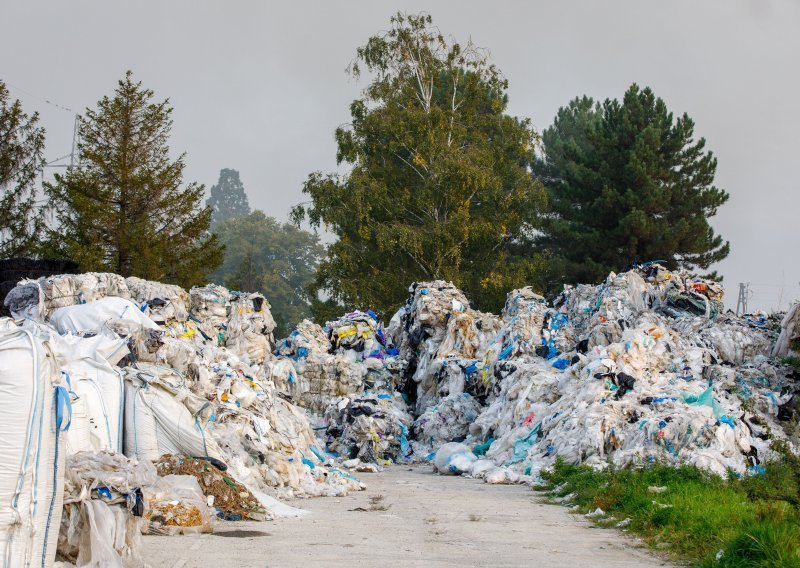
(788, 344)
(344, 374)
(371, 428)
(129, 389)
(644, 367)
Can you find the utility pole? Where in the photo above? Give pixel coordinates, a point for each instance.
(741, 302)
(74, 143)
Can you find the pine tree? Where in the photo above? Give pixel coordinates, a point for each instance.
(124, 210)
(21, 160)
(228, 198)
(627, 182)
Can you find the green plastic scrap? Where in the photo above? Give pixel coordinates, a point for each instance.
(481, 449)
(706, 398)
(524, 444)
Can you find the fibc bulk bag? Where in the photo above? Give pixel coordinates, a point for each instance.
(96, 389)
(163, 419)
(97, 407)
(35, 409)
(91, 317)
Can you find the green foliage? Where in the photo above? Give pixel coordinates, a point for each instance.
(228, 198)
(626, 182)
(21, 159)
(278, 260)
(124, 210)
(696, 514)
(792, 360)
(439, 183)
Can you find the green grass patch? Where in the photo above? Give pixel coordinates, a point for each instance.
(692, 514)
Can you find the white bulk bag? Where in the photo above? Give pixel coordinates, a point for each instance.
(96, 389)
(35, 409)
(158, 422)
(90, 318)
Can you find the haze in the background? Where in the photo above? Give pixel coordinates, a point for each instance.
(260, 87)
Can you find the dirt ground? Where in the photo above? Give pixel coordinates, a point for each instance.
(410, 517)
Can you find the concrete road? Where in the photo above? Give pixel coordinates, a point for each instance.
(410, 517)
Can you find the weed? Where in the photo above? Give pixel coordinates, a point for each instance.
(755, 521)
(475, 518)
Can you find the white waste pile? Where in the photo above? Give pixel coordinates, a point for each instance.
(788, 343)
(437, 328)
(250, 326)
(38, 299)
(344, 375)
(165, 302)
(103, 502)
(447, 421)
(644, 367)
(102, 367)
(371, 428)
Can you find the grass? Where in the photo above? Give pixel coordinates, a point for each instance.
(377, 504)
(699, 518)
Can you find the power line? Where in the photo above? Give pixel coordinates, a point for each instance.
(51, 103)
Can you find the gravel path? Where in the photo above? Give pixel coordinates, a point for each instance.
(410, 517)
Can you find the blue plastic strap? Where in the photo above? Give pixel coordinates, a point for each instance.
(63, 407)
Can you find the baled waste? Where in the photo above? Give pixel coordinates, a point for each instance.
(646, 366)
(115, 390)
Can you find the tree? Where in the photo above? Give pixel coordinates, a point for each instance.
(124, 209)
(439, 184)
(626, 182)
(278, 260)
(228, 198)
(21, 160)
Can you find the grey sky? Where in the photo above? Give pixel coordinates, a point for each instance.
(260, 87)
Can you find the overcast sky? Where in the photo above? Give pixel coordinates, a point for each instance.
(260, 87)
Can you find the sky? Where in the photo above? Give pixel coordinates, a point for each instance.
(261, 86)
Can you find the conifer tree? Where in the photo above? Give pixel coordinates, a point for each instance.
(228, 198)
(21, 160)
(627, 182)
(125, 209)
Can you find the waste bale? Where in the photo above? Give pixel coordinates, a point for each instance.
(307, 338)
(14, 270)
(249, 330)
(788, 343)
(373, 428)
(319, 380)
(92, 317)
(420, 327)
(209, 304)
(103, 505)
(453, 458)
(448, 421)
(165, 302)
(357, 331)
(231, 500)
(37, 299)
(523, 317)
(175, 504)
(163, 416)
